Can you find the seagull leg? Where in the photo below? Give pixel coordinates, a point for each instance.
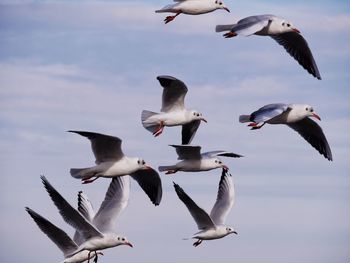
(171, 172)
(197, 243)
(170, 18)
(230, 34)
(255, 126)
(88, 181)
(96, 257)
(89, 256)
(160, 129)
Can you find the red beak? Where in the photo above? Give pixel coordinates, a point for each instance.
(296, 30)
(316, 116)
(147, 167)
(129, 244)
(225, 168)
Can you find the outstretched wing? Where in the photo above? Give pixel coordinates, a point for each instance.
(201, 217)
(187, 152)
(189, 130)
(225, 199)
(69, 214)
(250, 25)
(150, 182)
(314, 135)
(116, 199)
(57, 235)
(221, 153)
(297, 47)
(174, 92)
(104, 147)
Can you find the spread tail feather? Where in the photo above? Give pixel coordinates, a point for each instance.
(244, 118)
(221, 28)
(145, 115)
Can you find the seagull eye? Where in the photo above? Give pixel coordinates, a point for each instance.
(283, 24)
(288, 25)
(220, 3)
(311, 110)
(307, 109)
(143, 162)
(118, 238)
(123, 239)
(138, 161)
(198, 114)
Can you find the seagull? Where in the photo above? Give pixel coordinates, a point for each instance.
(95, 239)
(281, 31)
(111, 162)
(296, 116)
(61, 239)
(211, 226)
(173, 111)
(192, 160)
(191, 7)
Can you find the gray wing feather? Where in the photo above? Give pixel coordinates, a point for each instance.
(104, 147)
(297, 47)
(187, 152)
(201, 217)
(69, 214)
(224, 200)
(268, 112)
(57, 235)
(150, 182)
(189, 130)
(116, 199)
(250, 25)
(314, 135)
(174, 92)
(222, 153)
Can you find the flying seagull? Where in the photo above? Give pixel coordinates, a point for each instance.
(61, 239)
(111, 162)
(296, 116)
(280, 30)
(192, 160)
(95, 239)
(211, 226)
(173, 111)
(191, 7)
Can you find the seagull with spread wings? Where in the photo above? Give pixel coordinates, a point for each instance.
(192, 160)
(281, 31)
(295, 116)
(111, 162)
(211, 226)
(97, 234)
(173, 111)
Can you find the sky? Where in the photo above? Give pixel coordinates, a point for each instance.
(92, 65)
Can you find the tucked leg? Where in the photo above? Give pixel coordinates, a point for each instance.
(160, 129)
(171, 172)
(197, 243)
(230, 34)
(170, 18)
(255, 126)
(88, 181)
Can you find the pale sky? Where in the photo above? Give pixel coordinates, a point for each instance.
(92, 65)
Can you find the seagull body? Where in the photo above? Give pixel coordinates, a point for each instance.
(61, 239)
(192, 160)
(211, 226)
(94, 238)
(296, 116)
(173, 111)
(191, 7)
(111, 162)
(281, 31)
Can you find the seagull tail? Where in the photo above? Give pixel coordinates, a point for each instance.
(81, 173)
(150, 126)
(165, 168)
(221, 28)
(244, 118)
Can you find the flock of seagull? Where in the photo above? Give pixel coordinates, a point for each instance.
(95, 230)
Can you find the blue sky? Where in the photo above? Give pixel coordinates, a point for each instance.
(92, 65)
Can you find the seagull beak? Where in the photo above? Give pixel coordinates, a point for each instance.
(225, 168)
(146, 167)
(234, 232)
(316, 116)
(202, 119)
(101, 253)
(228, 10)
(296, 30)
(129, 244)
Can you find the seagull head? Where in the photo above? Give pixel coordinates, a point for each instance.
(142, 164)
(309, 111)
(230, 230)
(118, 240)
(288, 27)
(220, 5)
(302, 111)
(195, 115)
(219, 164)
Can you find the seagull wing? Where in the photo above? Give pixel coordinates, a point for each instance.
(86, 209)
(225, 199)
(174, 92)
(187, 152)
(201, 217)
(222, 153)
(268, 112)
(116, 199)
(104, 147)
(57, 235)
(69, 214)
(297, 47)
(314, 135)
(250, 25)
(189, 130)
(150, 182)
